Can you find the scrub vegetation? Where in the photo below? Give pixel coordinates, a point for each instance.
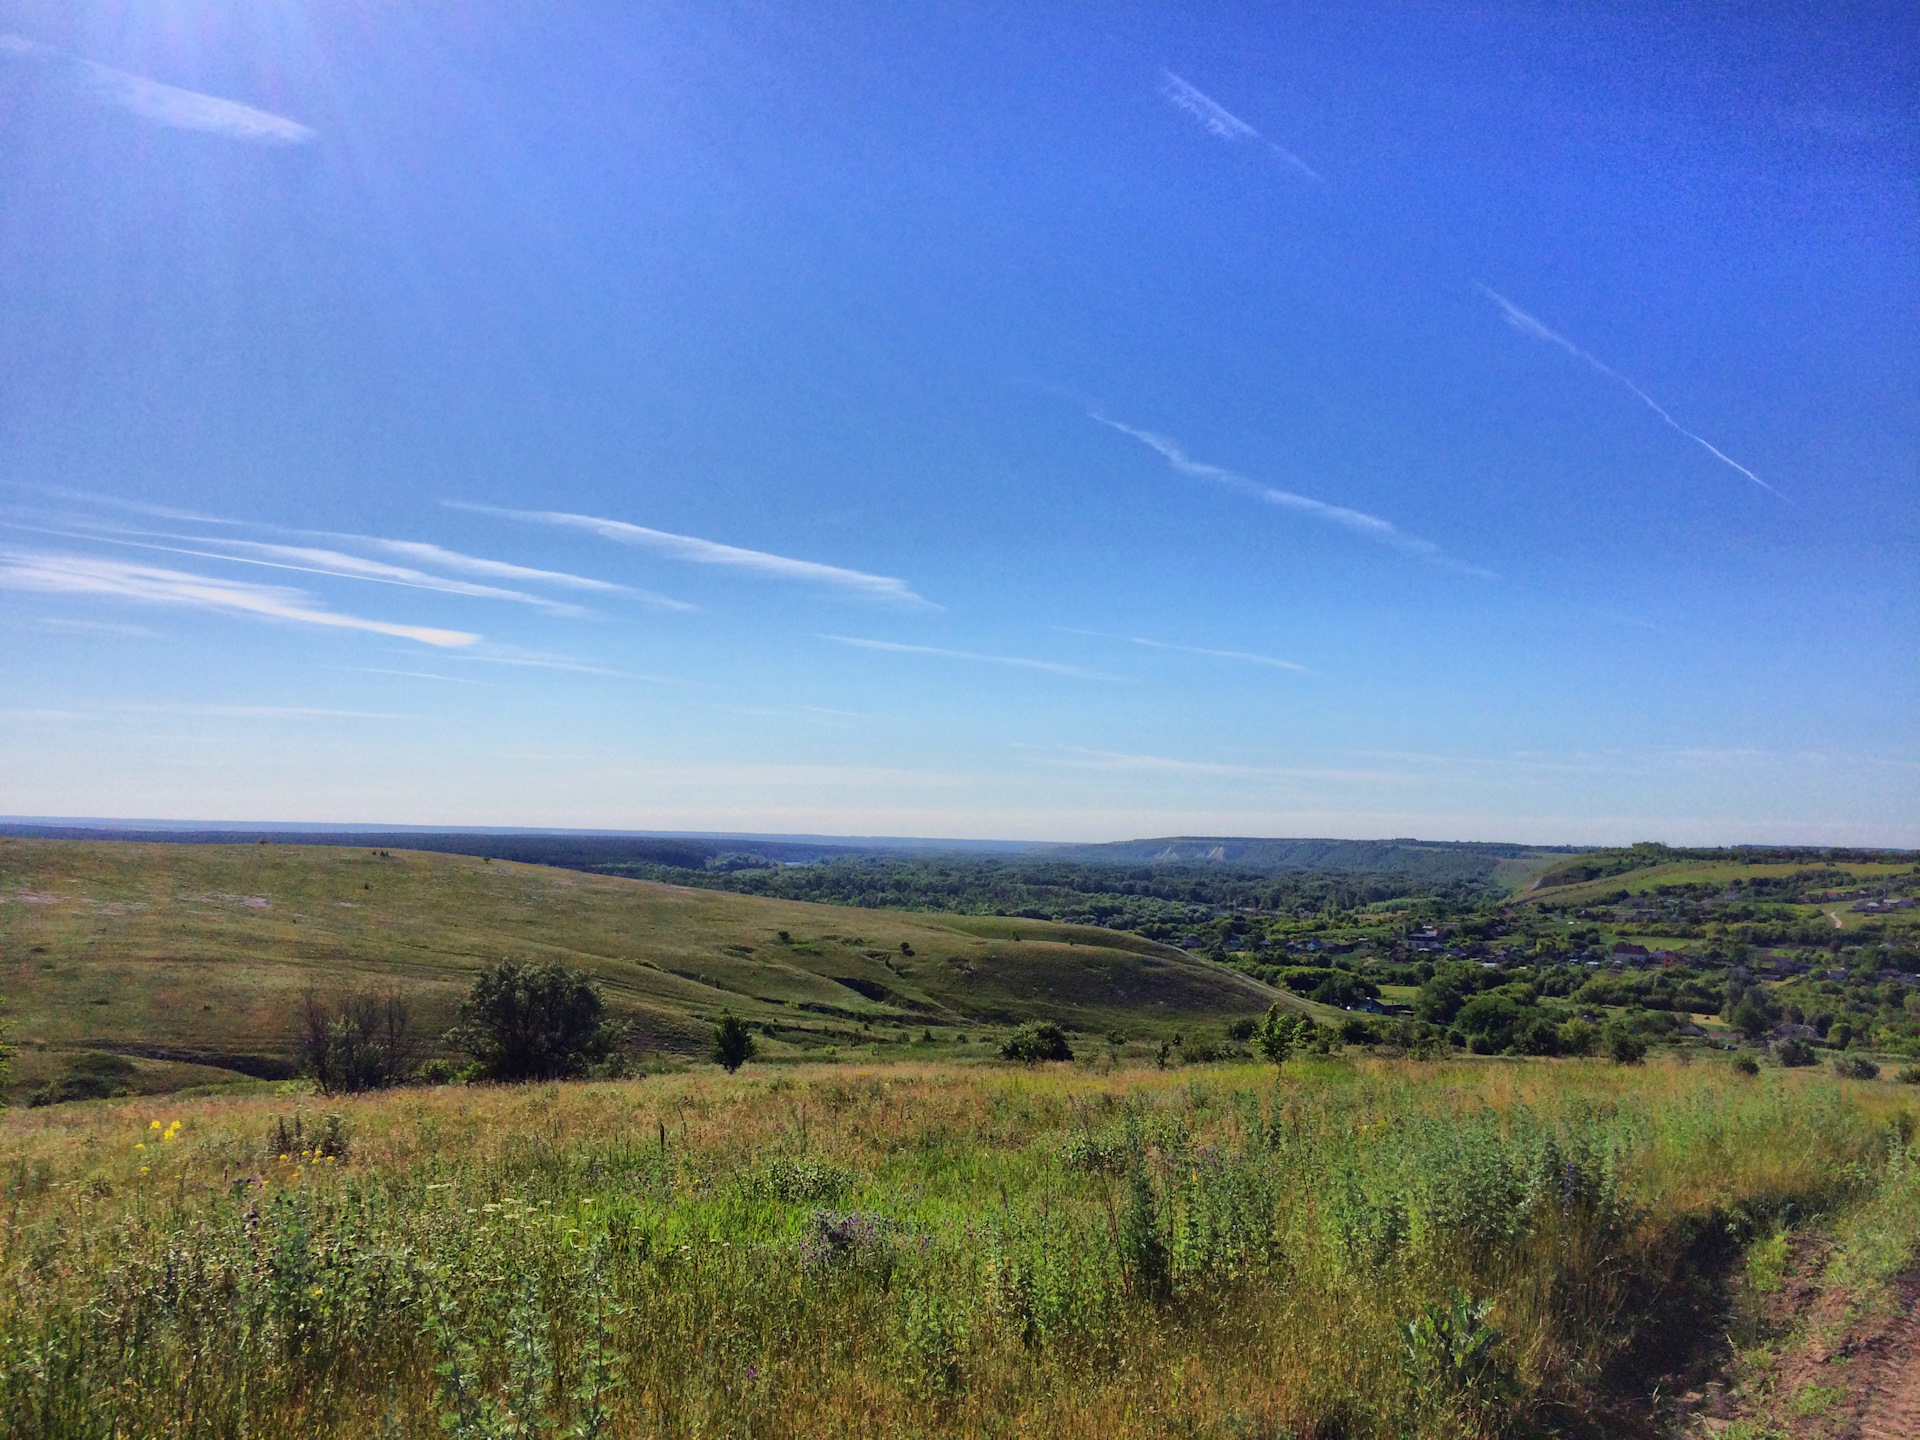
(1346, 1246)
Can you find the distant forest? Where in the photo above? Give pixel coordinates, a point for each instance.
(1160, 901)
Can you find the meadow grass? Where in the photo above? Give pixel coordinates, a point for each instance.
(1360, 1247)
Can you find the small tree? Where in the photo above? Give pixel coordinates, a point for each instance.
(534, 1022)
(732, 1043)
(1279, 1033)
(356, 1042)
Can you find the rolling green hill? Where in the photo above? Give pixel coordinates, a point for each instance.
(189, 956)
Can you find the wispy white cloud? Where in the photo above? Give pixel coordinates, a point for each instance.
(1046, 667)
(1245, 657)
(1079, 757)
(695, 551)
(1372, 527)
(526, 660)
(261, 712)
(331, 561)
(408, 674)
(1532, 328)
(54, 573)
(314, 560)
(308, 560)
(427, 554)
(161, 104)
(97, 627)
(1220, 122)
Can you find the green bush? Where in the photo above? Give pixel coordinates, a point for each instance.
(1908, 1075)
(1794, 1054)
(1746, 1064)
(534, 1022)
(1037, 1041)
(1856, 1067)
(1624, 1046)
(732, 1043)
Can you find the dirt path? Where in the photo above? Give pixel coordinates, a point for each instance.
(1845, 1375)
(1890, 1386)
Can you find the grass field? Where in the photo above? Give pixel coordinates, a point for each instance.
(1361, 1248)
(1699, 872)
(198, 954)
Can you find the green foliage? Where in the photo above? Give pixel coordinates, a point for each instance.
(1625, 1047)
(1578, 1037)
(1281, 1033)
(732, 1043)
(355, 1043)
(1745, 1064)
(1144, 1258)
(1908, 1075)
(1036, 1041)
(1161, 898)
(528, 1022)
(1795, 1054)
(1856, 1067)
(1456, 1359)
(1327, 986)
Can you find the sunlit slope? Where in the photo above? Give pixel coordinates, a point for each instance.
(1562, 883)
(201, 952)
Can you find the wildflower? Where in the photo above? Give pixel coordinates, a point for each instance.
(153, 1125)
(143, 1169)
(141, 1145)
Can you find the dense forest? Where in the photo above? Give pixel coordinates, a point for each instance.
(1163, 902)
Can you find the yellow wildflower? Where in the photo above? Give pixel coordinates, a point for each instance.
(153, 1125)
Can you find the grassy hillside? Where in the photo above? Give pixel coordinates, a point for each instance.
(192, 953)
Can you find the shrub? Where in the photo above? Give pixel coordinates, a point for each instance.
(441, 1071)
(1856, 1067)
(732, 1043)
(1578, 1037)
(534, 1022)
(1794, 1054)
(357, 1042)
(1355, 1030)
(1624, 1046)
(1908, 1075)
(1034, 1042)
(1746, 1064)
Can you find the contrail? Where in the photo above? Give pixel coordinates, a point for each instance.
(1527, 325)
(1383, 532)
(1224, 123)
(162, 104)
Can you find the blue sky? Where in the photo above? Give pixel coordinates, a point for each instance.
(993, 421)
